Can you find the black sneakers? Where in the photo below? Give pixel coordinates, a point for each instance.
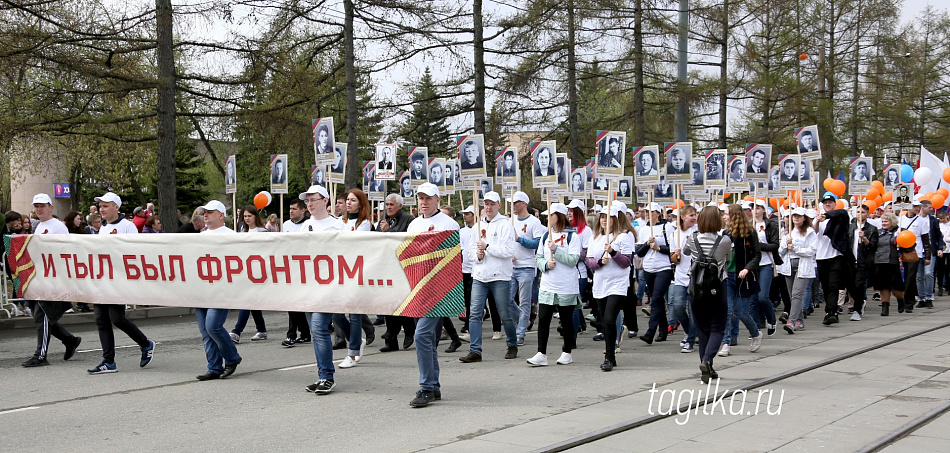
(830, 318)
(512, 352)
(71, 349)
(471, 357)
(288, 342)
(35, 362)
(148, 353)
(321, 387)
(423, 398)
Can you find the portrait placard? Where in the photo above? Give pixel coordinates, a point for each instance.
(543, 164)
(323, 140)
(230, 175)
(318, 176)
(698, 175)
(418, 161)
(579, 183)
(808, 144)
(451, 167)
(806, 180)
(338, 164)
(861, 172)
(374, 188)
(406, 189)
(386, 162)
(471, 154)
(903, 196)
(278, 173)
(436, 171)
(715, 168)
(563, 169)
(506, 161)
(610, 156)
(678, 157)
(892, 176)
(484, 186)
(625, 190)
(663, 192)
(758, 159)
(737, 181)
(647, 165)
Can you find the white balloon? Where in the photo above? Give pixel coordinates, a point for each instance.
(922, 176)
(268, 195)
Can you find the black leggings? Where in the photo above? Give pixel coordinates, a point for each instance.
(710, 318)
(545, 314)
(610, 306)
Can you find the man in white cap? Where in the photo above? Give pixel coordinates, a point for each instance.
(465, 237)
(220, 351)
(108, 315)
(296, 320)
(491, 253)
(46, 314)
(317, 199)
(427, 356)
(528, 231)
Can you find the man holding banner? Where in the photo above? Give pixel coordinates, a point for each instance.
(427, 356)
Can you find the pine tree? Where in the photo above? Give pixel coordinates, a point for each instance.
(427, 125)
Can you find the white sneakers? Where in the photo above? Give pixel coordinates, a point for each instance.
(855, 316)
(496, 336)
(756, 342)
(539, 359)
(348, 362)
(565, 358)
(725, 351)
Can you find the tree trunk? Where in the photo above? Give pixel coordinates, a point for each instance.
(354, 174)
(575, 152)
(724, 74)
(681, 121)
(479, 45)
(639, 122)
(166, 112)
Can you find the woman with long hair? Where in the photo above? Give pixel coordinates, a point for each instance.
(742, 281)
(556, 259)
(799, 246)
(578, 221)
(679, 296)
(710, 314)
(609, 256)
(254, 223)
(887, 268)
(358, 212)
(358, 218)
(73, 222)
(767, 231)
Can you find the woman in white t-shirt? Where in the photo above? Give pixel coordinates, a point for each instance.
(253, 223)
(768, 233)
(609, 255)
(556, 259)
(358, 218)
(679, 296)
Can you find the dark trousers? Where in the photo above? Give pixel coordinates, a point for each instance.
(447, 324)
(659, 283)
(545, 315)
(242, 321)
(942, 271)
(46, 317)
(108, 315)
(297, 322)
(779, 291)
(341, 326)
(858, 288)
(709, 316)
(910, 283)
(834, 275)
(396, 323)
(467, 289)
(610, 306)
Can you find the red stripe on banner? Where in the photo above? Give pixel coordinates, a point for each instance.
(423, 243)
(435, 290)
(601, 135)
(798, 130)
(273, 157)
(313, 127)
(668, 146)
(750, 146)
(460, 139)
(533, 146)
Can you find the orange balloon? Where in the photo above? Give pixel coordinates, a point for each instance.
(747, 198)
(878, 185)
(260, 201)
(838, 187)
(679, 204)
(946, 174)
(926, 196)
(827, 183)
(879, 200)
(803, 56)
(938, 200)
(906, 239)
(871, 204)
(873, 193)
(943, 191)
(839, 204)
(774, 203)
(889, 196)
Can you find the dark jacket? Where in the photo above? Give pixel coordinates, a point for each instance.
(865, 252)
(771, 241)
(936, 236)
(886, 252)
(747, 251)
(400, 223)
(837, 230)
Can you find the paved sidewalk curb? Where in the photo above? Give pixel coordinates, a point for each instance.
(24, 322)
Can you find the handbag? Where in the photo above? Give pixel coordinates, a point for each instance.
(749, 285)
(909, 255)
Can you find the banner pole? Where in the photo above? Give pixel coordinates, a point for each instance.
(234, 208)
(550, 234)
(281, 210)
(478, 214)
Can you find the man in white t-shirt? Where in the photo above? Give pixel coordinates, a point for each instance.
(834, 255)
(465, 236)
(107, 315)
(427, 356)
(219, 349)
(46, 314)
(297, 321)
(921, 228)
(317, 198)
(528, 231)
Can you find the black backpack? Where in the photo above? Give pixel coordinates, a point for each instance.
(704, 280)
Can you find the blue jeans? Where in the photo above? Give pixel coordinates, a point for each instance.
(762, 304)
(352, 330)
(682, 307)
(519, 304)
(427, 354)
(322, 344)
(738, 311)
(925, 280)
(499, 290)
(641, 283)
(219, 349)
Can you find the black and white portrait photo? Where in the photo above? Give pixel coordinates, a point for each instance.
(861, 170)
(417, 166)
(450, 175)
(323, 141)
(472, 155)
(561, 170)
(405, 186)
(774, 178)
(716, 168)
(808, 144)
(339, 160)
(318, 176)
(902, 196)
(804, 175)
(758, 161)
(892, 175)
(485, 185)
(386, 162)
(601, 184)
(611, 149)
(437, 172)
(697, 172)
(678, 161)
(664, 189)
(578, 183)
(230, 175)
(789, 169)
(646, 163)
(506, 165)
(544, 162)
(278, 172)
(737, 170)
(624, 188)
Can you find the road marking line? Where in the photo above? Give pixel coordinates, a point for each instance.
(19, 410)
(117, 347)
(297, 367)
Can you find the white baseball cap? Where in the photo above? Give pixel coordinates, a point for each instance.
(519, 196)
(492, 196)
(109, 196)
(559, 207)
(430, 189)
(577, 203)
(315, 189)
(619, 206)
(42, 198)
(597, 208)
(712, 204)
(761, 202)
(811, 213)
(746, 204)
(656, 207)
(724, 207)
(799, 211)
(215, 205)
(470, 210)
(614, 210)
(544, 212)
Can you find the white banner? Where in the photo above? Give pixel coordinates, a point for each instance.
(334, 272)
